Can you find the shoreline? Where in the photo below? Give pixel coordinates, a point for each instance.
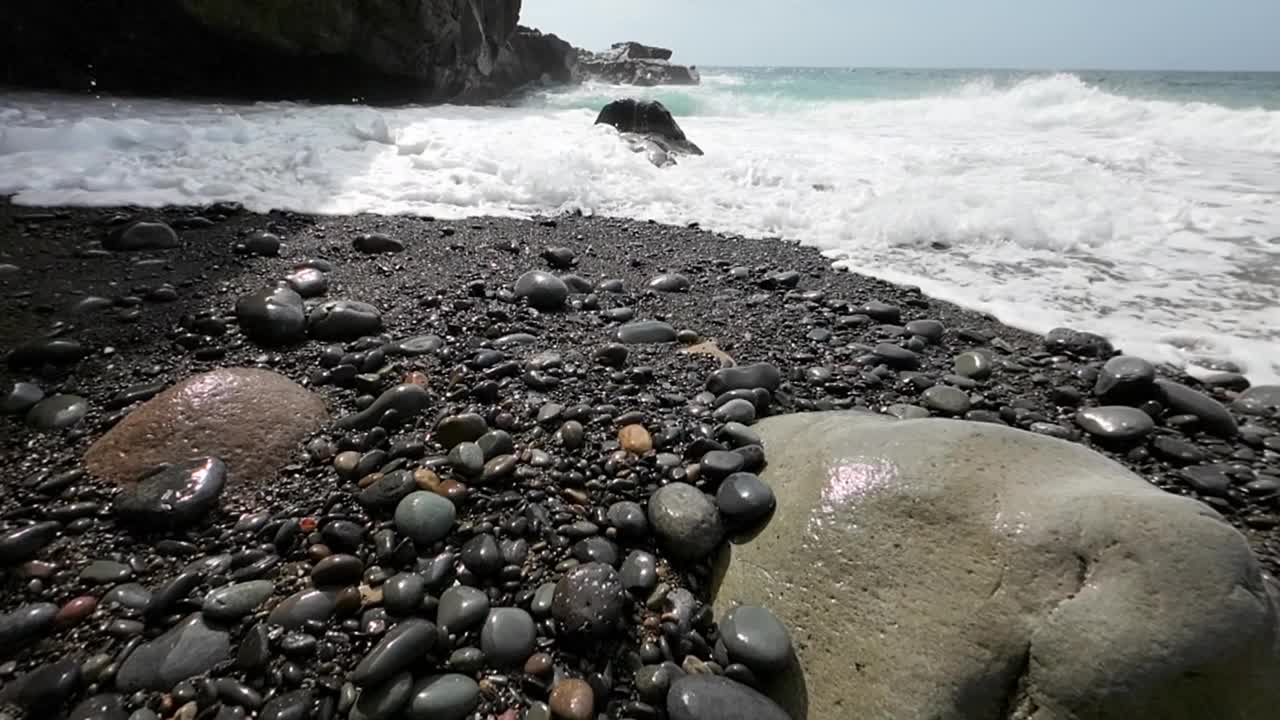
(758, 300)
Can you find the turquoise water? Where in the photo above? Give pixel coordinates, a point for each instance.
(765, 88)
(1143, 206)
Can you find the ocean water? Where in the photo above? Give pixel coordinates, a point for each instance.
(1143, 206)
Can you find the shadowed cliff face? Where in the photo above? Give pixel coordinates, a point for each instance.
(377, 50)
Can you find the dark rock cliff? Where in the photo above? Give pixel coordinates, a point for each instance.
(373, 50)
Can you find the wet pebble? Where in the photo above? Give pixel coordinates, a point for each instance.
(588, 600)
(443, 697)
(710, 697)
(508, 637)
(408, 642)
(541, 290)
(462, 608)
(57, 412)
(744, 500)
(339, 320)
(686, 522)
(232, 602)
(424, 517)
(644, 332)
(572, 699)
(1115, 422)
(176, 496)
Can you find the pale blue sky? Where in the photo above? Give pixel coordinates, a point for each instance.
(1034, 34)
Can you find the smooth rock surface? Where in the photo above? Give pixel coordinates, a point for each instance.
(272, 316)
(443, 697)
(425, 517)
(252, 419)
(1214, 417)
(588, 600)
(1115, 422)
(685, 521)
(1128, 602)
(710, 697)
(57, 412)
(175, 496)
(339, 320)
(188, 649)
(542, 290)
(507, 637)
(642, 332)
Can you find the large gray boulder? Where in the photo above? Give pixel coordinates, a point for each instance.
(945, 569)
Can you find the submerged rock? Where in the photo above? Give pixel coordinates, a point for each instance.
(649, 127)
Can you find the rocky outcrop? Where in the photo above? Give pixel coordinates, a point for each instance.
(429, 50)
(648, 127)
(532, 58)
(630, 63)
(947, 569)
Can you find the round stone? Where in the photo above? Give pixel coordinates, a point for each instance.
(948, 400)
(720, 464)
(628, 519)
(384, 701)
(508, 637)
(482, 556)
(975, 364)
(1124, 375)
(930, 330)
(589, 600)
(737, 410)
(308, 282)
(711, 697)
(572, 699)
(337, 570)
(403, 593)
(373, 243)
(882, 312)
(639, 573)
(425, 517)
(142, 235)
(542, 290)
(461, 608)
(229, 603)
(745, 377)
(635, 439)
(272, 316)
(443, 697)
(57, 412)
(408, 642)
(340, 320)
(467, 458)
(645, 332)
(669, 282)
(252, 419)
(175, 496)
(304, 606)
(20, 397)
(686, 522)
(756, 638)
(1115, 422)
(454, 429)
(744, 500)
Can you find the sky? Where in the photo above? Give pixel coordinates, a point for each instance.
(1030, 34)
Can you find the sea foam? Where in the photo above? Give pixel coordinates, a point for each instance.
(1045, 202)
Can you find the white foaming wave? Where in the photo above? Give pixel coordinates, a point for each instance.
(1053, 203)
